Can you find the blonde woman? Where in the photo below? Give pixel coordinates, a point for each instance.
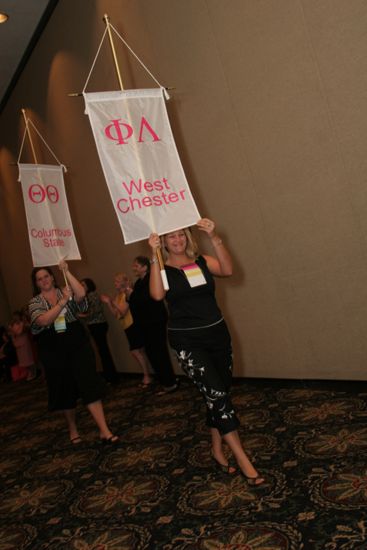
(119, 307)
(198, 333)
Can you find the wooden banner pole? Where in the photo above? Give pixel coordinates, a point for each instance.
(106, 19)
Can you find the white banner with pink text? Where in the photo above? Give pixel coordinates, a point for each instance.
(141, 165)
(50, 230)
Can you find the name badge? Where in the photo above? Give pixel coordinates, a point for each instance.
(194, 275)
(60, 322)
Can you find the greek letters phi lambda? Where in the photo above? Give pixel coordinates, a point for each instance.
(138, 193)
(122, 132)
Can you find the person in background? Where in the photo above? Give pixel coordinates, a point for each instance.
(8, 355)
(120, 309)
(65, 350)
(150, 317)
(199, 335)
(20, 334)
(98, 327)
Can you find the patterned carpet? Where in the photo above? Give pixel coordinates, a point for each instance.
(158, 490)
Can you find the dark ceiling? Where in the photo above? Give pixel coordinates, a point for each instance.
(18, 37)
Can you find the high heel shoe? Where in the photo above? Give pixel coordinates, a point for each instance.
(254, 481)
(224, 468)
(112, 440)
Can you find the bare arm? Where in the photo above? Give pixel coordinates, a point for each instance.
(120, 309)
(116, 309)
(108, 301)
(221, 264)
(156, 289)
(49, 316)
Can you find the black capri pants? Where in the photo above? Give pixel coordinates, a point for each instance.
(205, 356)
(70, 367)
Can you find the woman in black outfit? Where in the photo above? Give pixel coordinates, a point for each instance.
(64, 349)
(150, 317)
(198, 333)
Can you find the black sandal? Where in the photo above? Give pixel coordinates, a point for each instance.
(254, 481)
(112, 440)
(170, 389)
(224, 468)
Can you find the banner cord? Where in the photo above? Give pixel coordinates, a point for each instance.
(140, 61)
(28, 120)
(132, 52)
(95, 59)
(49, 148)
(22, 144)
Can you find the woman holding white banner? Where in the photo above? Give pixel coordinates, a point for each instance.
(64, 349)
(198, 333)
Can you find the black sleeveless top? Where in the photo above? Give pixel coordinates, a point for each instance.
(144, 309)
(191, 307)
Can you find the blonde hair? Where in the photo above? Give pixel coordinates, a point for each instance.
(123, 278)
(191, 245)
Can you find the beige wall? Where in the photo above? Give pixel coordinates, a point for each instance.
(269, 115)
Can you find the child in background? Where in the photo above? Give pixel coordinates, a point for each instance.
(19, 331)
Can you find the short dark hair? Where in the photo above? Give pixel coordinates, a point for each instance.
(35, 270)
(143, 261)
(90, 284)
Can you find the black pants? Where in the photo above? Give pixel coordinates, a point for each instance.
(70, 367)
(205, 355)
(98, 332)
(156, 349)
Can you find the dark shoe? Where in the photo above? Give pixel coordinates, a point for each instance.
(145, 386)
(112, 440)
(170, 389)
(224, 468)
(254, 481)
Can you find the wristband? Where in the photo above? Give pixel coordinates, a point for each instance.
(153, 260)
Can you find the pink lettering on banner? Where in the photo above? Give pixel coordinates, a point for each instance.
(54, 232)
(51, 238)
(157, 195)
(52, 193)
(157, 185)
(122, 132)
(145, 124)
(37, 193)
(119, 136)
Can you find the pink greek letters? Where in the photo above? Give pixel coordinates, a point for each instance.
(121, 132)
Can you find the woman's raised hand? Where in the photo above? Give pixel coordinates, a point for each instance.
(63, 266)
(207, 225)
(67, 292)
(105, 298)
(154, 241)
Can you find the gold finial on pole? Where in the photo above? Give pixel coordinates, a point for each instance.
(106, 19)
(29, 135)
